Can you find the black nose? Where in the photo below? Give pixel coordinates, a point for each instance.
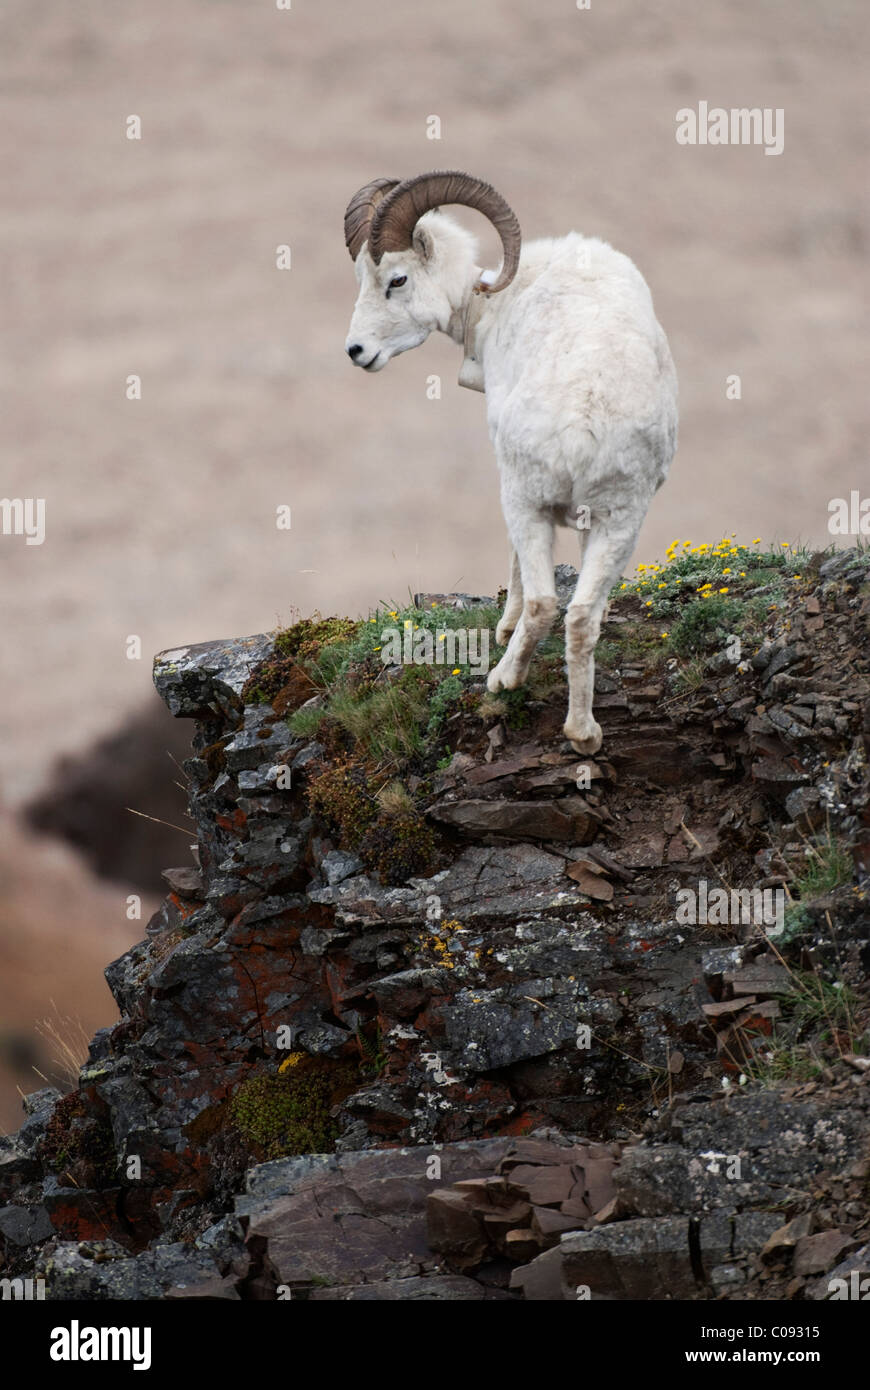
(354, 352)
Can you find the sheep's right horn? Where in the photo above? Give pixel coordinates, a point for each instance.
(360, 211)
(400, 210)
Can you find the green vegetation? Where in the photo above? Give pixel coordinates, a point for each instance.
(340, 794)
(389, 712)
(373, 1052)
(705, 623)
(694, 601)
(817, 1026)
(389, 833)
(828, 864)
(289, 1113)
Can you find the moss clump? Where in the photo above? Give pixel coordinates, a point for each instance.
(290, 1113)
(400, 846)
(305, 638)
(340, 795)
(214, 756)
(282, 680)
(79, 1144)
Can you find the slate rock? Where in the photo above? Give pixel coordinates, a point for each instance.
(569, 818)
(641, 1259)
(207, 678)
(25, 1225)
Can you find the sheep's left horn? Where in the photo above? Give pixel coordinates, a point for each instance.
(360, 211)
(399, 211)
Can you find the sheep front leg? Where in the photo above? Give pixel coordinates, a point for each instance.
(533, 544)
(513, 603)
(606, 554)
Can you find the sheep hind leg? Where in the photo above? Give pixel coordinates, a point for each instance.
(513, 607)
(535, 560)
(603, 562)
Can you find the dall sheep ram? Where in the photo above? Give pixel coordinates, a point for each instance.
(580, 386)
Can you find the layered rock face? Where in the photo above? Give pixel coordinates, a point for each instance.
(500, 1075)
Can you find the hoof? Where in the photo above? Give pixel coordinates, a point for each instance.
(503, 677)
(503, 633)
(585, 739)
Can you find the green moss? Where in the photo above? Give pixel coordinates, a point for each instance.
(307, 637)
(290, 1113)
(399, 847)
(340, 795)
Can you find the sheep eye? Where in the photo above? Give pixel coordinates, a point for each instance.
(397, 280)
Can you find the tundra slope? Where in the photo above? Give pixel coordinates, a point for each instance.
(580, 385)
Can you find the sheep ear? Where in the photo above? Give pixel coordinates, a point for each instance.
(423, 242)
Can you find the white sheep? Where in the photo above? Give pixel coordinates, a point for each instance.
(580, 386)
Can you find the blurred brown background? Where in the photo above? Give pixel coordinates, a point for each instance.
(157, 257)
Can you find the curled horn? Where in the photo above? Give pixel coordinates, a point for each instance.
(361, 210)
(399, 211)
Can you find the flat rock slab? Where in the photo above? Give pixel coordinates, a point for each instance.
(353, 1219)
(207, 678)
(483, 884)
(569, 819)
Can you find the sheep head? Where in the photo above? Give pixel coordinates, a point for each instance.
(413, 264)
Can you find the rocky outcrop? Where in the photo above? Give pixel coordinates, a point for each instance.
(501, 1075)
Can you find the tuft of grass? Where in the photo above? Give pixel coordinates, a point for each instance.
(395, 799)
(68, 1044)
(691, 675)
(817, 1023)
(386, 722)
(306, 722)
(828, 865)
(491, 707)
